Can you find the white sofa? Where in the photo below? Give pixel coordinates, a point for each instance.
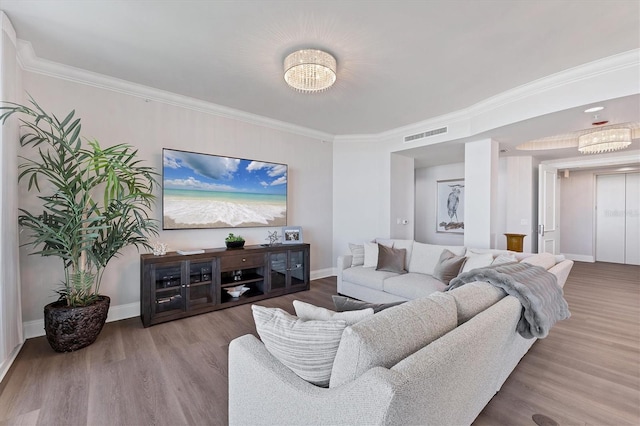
(367, 283)
(431, 361)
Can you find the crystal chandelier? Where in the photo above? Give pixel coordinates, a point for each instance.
(310, 70)
(604, 140)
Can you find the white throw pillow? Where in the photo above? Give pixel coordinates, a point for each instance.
(357, 254)
(425, 257)
(307, 312)
(308, 348)
(370, 255)
(504, 258)
(477, 261)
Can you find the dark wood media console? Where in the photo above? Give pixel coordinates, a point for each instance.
(175, 286)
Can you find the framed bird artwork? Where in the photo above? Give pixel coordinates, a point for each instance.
(450, 206)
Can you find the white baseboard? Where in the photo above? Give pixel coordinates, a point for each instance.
(579, 257)
(116, 313)
(6, 365)
(321, 273)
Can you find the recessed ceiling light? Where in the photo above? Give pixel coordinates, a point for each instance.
(594, 109)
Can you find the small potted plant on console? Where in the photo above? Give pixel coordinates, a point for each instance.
(234, 241)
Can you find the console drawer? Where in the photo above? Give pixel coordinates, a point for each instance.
(241, 261)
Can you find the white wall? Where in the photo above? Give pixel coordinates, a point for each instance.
(402, 197)
(425, 195)
(517, 201)
(113, 117)
(11, 331)
(361, 185)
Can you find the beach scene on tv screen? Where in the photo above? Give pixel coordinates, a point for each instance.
(210, 191)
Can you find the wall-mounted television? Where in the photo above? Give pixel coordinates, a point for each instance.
(212, 191)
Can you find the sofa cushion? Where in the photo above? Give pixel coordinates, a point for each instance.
(357, 254)
(367, 277)
(391, 335)
(424, 257)
(494, 252)
(448, 266)
(473, 298)
(391, 259)
(413, 286)
(546, 260)
(344, 304)
(308, 348)
(308, 312)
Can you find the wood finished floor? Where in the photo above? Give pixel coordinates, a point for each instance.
(586, 372)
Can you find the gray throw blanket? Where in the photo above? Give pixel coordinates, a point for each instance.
(542, 299)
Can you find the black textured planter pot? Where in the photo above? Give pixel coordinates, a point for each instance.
(234, 244)
(69, 329)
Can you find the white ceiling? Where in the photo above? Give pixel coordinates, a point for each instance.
(399, 62)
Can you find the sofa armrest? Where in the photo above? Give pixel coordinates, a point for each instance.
(262, 391)
(344, 262)
(561, 271)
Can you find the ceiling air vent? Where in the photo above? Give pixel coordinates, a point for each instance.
(426, 134)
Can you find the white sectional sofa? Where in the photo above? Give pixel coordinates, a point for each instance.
(435, 360)
(364, 282)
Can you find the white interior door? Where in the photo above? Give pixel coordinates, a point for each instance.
(610, 218)
(548, 210)
(632, 219)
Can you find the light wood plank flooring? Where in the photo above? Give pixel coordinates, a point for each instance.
(586, 372)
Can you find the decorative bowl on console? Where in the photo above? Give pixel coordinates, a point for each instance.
(236, 292)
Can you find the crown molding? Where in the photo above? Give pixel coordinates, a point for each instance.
(32, 63)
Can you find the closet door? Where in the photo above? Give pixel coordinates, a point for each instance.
(632, 244)
(610, 218)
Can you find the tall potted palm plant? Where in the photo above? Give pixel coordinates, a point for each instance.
(94, 202)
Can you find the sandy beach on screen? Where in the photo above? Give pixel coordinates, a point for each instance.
(182, 213)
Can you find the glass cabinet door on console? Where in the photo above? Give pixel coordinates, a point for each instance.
(288, 269)
(277, 271)
(179, 287)
(298, 268)
(200, 288)
(168, 295)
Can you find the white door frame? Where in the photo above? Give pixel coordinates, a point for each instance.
(548, 210)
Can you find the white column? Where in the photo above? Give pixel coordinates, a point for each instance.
(402, 205)
(481, 188)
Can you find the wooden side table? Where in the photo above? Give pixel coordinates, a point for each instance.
(514, 242)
